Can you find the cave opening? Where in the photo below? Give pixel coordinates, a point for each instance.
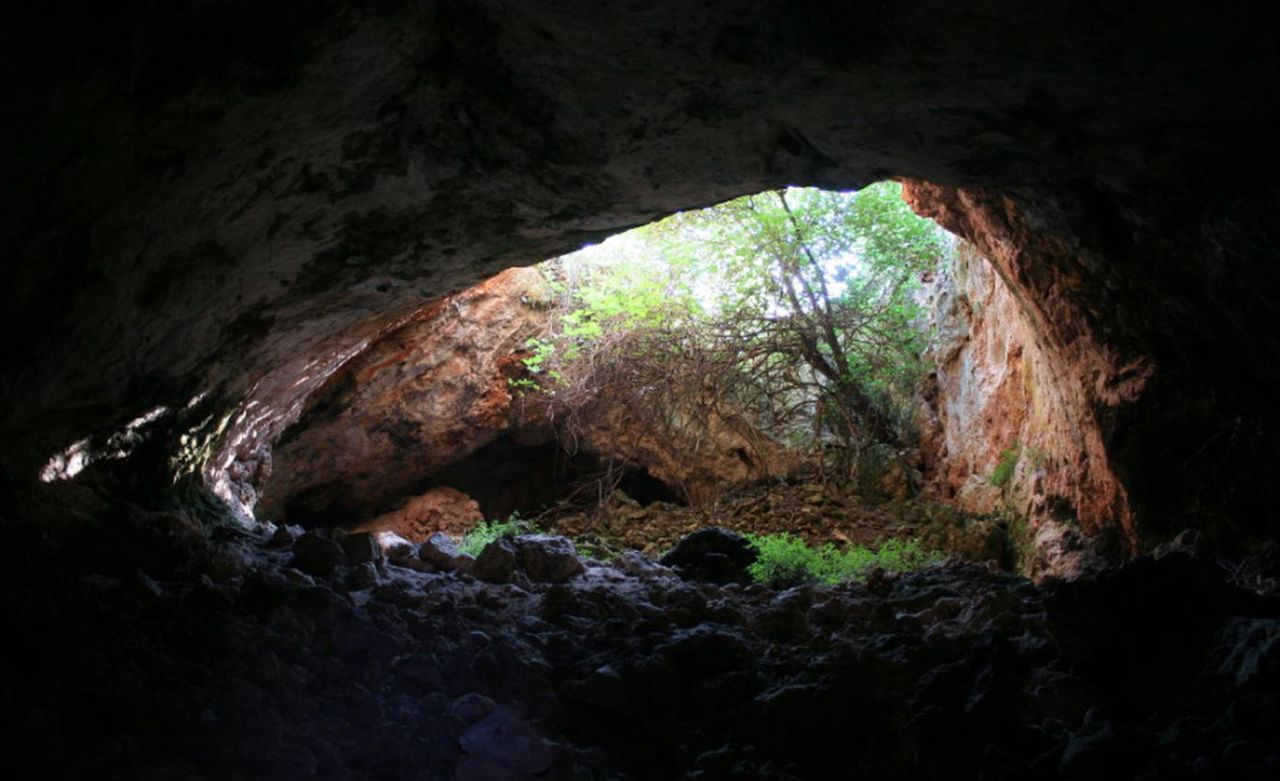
(832, 348)
(507, 477)
(280, 209)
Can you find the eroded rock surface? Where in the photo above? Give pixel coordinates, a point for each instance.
(1020, 379)
(434, 402)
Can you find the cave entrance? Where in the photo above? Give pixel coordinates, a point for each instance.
(835, 343)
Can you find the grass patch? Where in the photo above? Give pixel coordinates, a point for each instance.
(784, 560)
(486, 532)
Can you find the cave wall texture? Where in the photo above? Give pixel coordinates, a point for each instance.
(227, 196)
(413, 408)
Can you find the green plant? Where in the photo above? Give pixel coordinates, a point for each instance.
(1003, 473)
(785, 560)
(794, 311)
(486, 532)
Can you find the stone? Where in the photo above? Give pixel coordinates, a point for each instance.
(1250, 652)
(497, 562)
(505, 737)
(395, 548)
(637, 564)
(471, 707)
(442, 552)
(548, 559)
(483, 768)
(712, 555)
(284, 535)
(439, 510)
(317, 555)
(363, 576)
(361, 548)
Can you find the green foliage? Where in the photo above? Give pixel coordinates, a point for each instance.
(1003, 473)
(796, 305)
(486, 532)
(785, 560)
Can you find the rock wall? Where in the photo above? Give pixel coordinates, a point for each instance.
(410, 409)
(1001, 429)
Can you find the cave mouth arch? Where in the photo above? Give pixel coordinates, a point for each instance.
(364, 444)
(200, 194)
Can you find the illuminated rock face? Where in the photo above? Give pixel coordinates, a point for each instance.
(235, 198)
(431, 406)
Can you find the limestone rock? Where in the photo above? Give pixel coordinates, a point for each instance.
(360, 548)
(318, 555)
(441, 552)
(504, 736)
(440, 510)
(548, 559)
(497, 562)
(712, 555)
(395, 548)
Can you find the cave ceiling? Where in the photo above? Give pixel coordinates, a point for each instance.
(198, 194)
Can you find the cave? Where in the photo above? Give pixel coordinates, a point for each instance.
(505, 477)
(223, 218)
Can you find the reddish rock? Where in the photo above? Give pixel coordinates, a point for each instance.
(1021, 373)
(426, 397)
(438, 510)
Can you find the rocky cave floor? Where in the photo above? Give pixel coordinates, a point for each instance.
(150, 648)
(816, 511)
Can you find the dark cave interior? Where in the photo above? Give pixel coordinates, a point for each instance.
(220, 206)
(504, 477)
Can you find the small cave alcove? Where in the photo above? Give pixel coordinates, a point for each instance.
(505, 477)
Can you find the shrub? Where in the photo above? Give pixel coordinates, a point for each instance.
(1003, 472)
(784, 560)
(486, 532)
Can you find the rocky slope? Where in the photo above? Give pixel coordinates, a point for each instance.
(219, 659)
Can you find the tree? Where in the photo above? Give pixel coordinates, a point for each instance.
(793, 310)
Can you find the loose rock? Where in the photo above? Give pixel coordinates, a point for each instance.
(712, 555)
(317, 555)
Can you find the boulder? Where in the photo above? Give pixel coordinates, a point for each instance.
(395, 548)
(505, 738)
(712, 555)
(442, 553)
(361, 548)
(497, 562)
(548, 559)
(317, 555)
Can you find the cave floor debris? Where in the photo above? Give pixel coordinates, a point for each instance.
(153, 651)
(816, 512)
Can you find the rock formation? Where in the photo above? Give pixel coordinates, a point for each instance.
(223, 201)
(998, 432)
(211, 208)
(432, 403)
